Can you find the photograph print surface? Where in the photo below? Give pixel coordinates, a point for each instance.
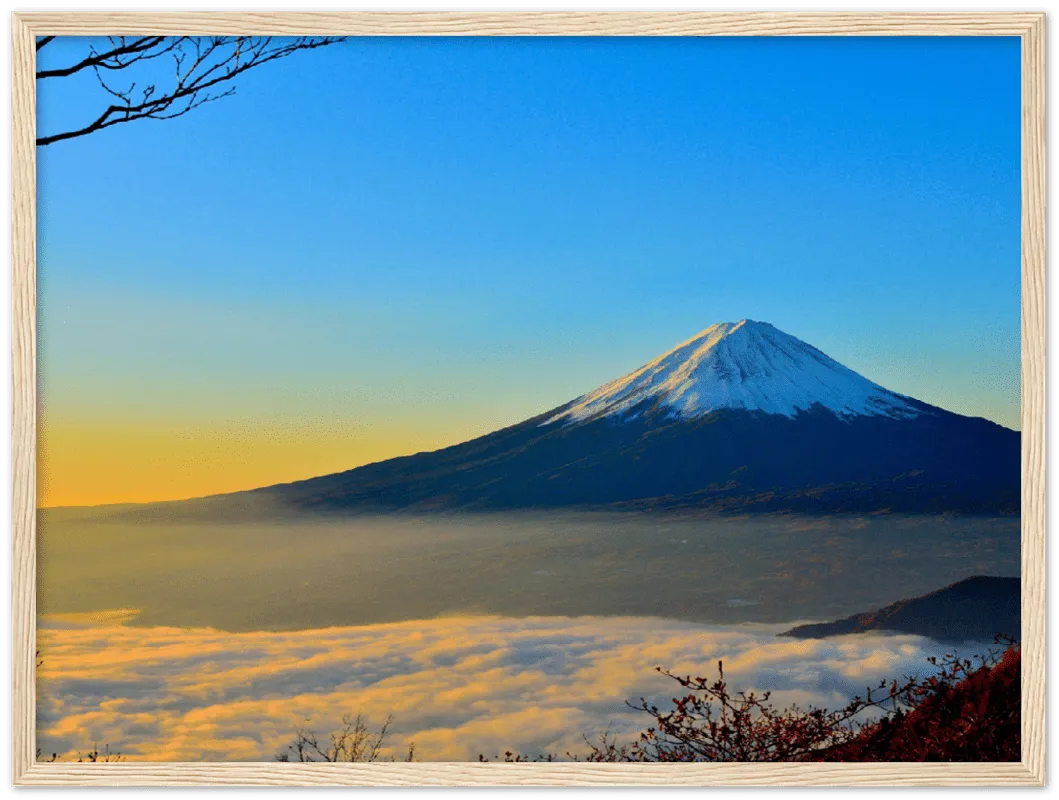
(457, 399)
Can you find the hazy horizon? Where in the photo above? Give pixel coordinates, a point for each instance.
(307, 572)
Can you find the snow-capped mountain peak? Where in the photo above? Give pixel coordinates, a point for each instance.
(746, 365)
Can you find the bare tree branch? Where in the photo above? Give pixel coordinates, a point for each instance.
(353, 742)
(200, 65)
(122, 54)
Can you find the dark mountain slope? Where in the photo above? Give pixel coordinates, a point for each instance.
(741, 417)
(731, 460)
(975, 609)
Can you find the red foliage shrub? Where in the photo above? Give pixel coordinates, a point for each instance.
(975, 718)
(966, 711)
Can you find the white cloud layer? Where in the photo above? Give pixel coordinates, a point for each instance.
(457, 687)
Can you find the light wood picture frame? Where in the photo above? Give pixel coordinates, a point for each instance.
(1029, 26)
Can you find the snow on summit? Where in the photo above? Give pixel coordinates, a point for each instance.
(745, 365)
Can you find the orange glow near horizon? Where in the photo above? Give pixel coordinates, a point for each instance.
(110, 461)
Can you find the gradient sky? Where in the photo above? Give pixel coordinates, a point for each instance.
(390, 245)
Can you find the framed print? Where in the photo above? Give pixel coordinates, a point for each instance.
(528, 399)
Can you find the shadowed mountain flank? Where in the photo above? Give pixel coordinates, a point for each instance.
(977, 609)
(740, 418)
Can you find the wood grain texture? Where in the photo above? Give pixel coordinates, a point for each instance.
(24, 398)
(25, 26)
(745, 774)
(535, 23)
(1033, 408)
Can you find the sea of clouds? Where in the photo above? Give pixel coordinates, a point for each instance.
(456, 687)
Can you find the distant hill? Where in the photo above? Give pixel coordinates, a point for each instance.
(976, 608)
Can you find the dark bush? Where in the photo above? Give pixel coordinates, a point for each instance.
(968, 710)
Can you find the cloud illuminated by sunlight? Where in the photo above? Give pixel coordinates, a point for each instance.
(457, 687)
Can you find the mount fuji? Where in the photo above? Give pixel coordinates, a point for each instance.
(749, 366)
(742, 417)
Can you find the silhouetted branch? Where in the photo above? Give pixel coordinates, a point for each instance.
(353, 742)
(200, 65)
(122, 53)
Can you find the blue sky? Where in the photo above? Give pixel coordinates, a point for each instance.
(465, 232)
